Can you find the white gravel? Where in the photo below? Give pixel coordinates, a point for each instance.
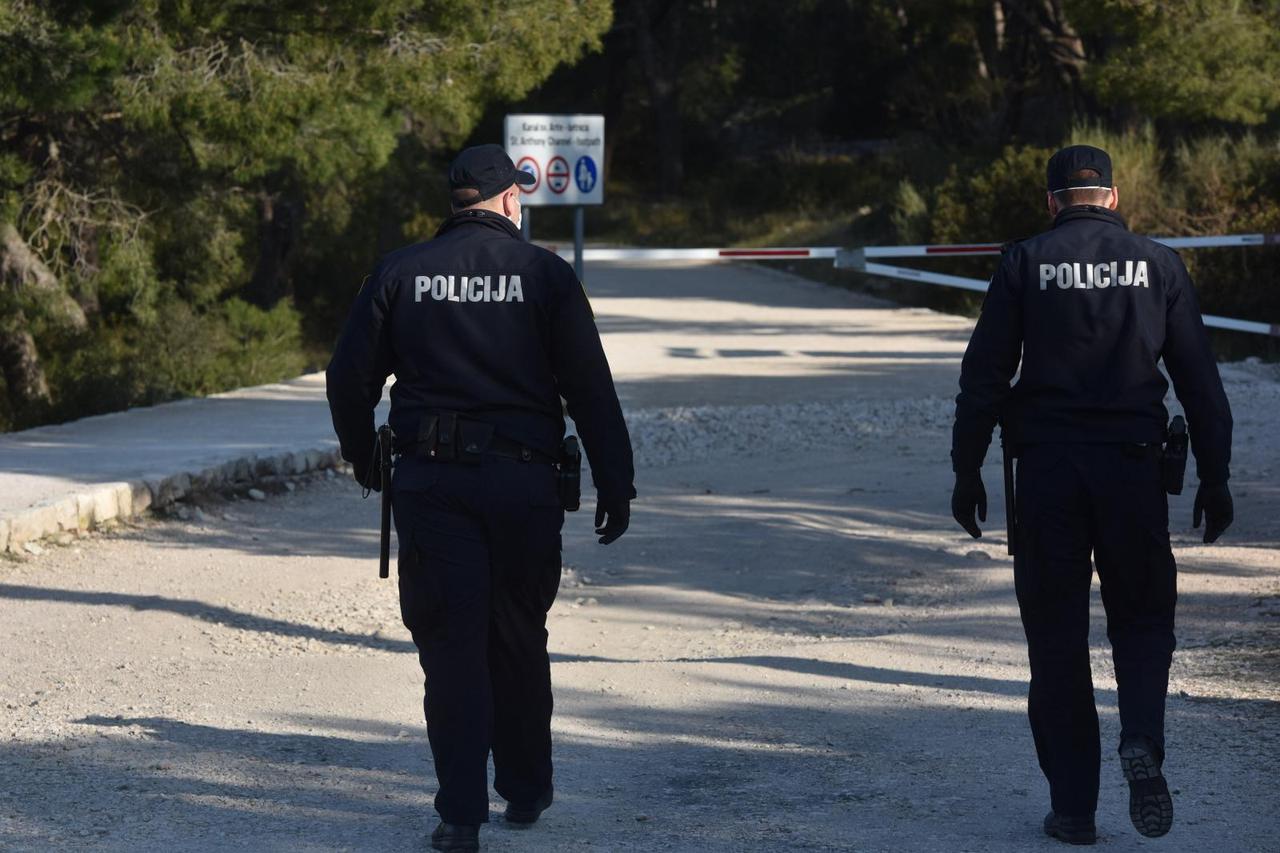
(688, 433)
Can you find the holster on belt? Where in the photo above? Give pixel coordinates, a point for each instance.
(1173, 458)
(570, 474)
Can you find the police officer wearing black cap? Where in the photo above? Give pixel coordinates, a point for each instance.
(485, 334)
(1089, 310)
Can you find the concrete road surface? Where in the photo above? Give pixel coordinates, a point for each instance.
(793, 649)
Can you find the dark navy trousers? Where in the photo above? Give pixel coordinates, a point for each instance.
(1108, 501)
(479, 568)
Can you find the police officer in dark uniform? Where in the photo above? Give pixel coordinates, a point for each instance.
(1090, 309)
(485, 334)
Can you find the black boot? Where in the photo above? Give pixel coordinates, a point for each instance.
(528, 813)
(1150, 806)
(1072, 830)
(462, 838)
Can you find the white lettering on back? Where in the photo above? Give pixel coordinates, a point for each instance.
(1082, 275)
(469, 288)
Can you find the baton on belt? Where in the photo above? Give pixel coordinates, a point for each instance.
(1010, 502)
(386, 438)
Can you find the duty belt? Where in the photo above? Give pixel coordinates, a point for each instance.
(450, 437)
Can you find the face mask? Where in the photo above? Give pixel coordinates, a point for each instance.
(519, 218)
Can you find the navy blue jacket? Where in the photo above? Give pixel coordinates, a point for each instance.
(480, 322)
(1090, 309)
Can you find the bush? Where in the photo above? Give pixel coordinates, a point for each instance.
(183, 353)
(1215, 184)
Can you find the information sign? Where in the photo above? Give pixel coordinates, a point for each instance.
(565, 151)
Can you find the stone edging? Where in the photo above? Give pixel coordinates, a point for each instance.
(105, 502)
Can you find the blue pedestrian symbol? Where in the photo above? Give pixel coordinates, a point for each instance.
(584, 173)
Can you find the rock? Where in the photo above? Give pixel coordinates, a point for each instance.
(258, 494)
(33, 548)
(140, 498)
(124, 501)
(31, 525)
(293, 463)
(104, 505)
(871, 598)
(64, 539)
(289, 485)
(84, 511)
(64, 514)
(183, 512)
(976, 555)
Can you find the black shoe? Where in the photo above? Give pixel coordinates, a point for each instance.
(528, 813)
(462, 838)
(1150, 806)
(1072, 830)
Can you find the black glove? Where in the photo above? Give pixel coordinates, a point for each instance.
(619, 513)
(968, 495)
(369, 474)
(1214, 504)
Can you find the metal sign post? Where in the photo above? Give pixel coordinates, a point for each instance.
(565, 153)
(579, 226)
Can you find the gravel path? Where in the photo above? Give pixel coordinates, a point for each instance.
(792, 649)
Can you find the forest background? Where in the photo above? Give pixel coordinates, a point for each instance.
(191, 191)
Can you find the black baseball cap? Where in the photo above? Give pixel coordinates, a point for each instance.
(1075, 158)
(486, 169)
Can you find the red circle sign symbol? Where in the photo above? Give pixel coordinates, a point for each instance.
(557, 174)
(530, 165)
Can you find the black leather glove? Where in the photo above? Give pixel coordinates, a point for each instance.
(619, 514)
(368, 475)
(967, 496)
(1213, 506)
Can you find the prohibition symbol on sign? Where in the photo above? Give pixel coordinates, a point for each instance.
(558, 174)
(584, 174)
(530, 165)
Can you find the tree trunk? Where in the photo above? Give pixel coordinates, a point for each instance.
(277, 224)
(657, 44)
(21, 269)
(25, 280)
(24, 379)
(1055, 40)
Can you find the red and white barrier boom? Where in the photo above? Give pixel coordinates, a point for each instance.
(812, 252)
(859, 259)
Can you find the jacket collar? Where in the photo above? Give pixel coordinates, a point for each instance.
(482, 218)
(1089, 211)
